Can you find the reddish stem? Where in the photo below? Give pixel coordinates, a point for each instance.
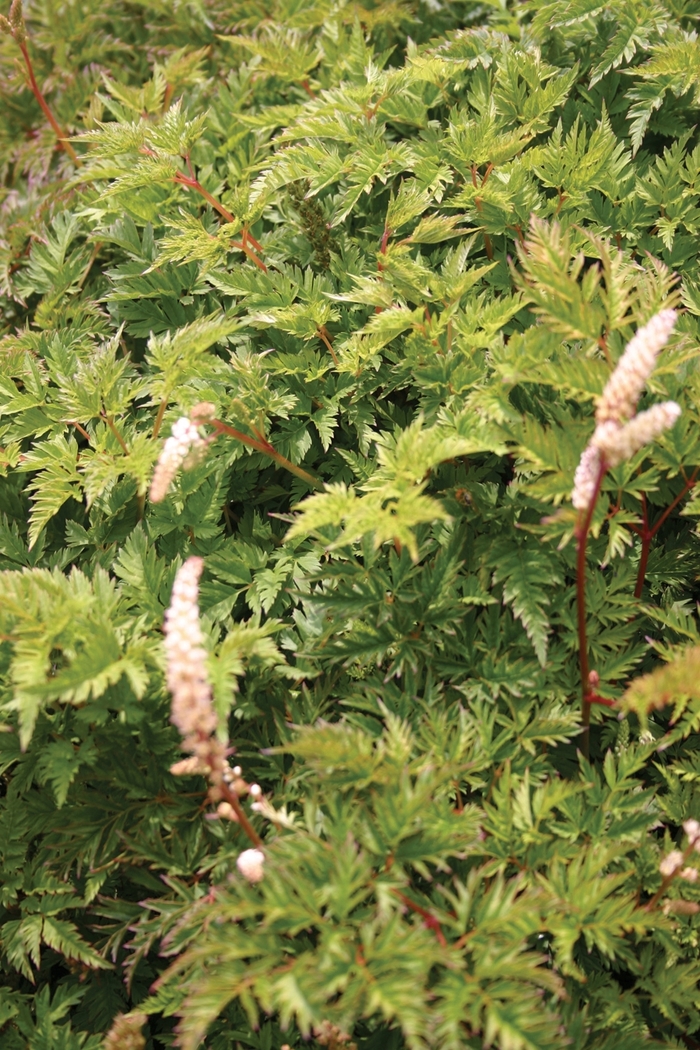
(672, 506)
(36, 91)
(264, 446)
(251, 255)
(226, 792)
(430, 921)
(80, 429)
(195, 184)
(231, 797)
(594, 698)
(168, 97)
(647, 534)
(582, 537)
(256, 244)
(323, 332)
(603, 344)
(668, 879)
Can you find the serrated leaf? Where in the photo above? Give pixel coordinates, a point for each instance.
(523, 573)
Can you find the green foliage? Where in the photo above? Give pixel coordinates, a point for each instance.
(387, 255)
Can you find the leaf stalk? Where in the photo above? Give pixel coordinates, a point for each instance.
(264, 446)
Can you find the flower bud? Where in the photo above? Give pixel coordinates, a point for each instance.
(226, 811)
(250, 864)
(671, 863)
(692, 829)
(203, 412)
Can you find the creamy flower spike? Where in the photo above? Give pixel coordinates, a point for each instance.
(619, 433)
(187, 767)
(192, 711)
(184, 440)
(586, 477)
(617, 444)
(623, 390)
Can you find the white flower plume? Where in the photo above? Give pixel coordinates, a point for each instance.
(185, 439)
(619, 433)
(586, 477)
(623, 390)
(192, 710)
(617, 444)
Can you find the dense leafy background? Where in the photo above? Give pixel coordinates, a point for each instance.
(464, 211)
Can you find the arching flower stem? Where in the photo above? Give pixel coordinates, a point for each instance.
(582, 541)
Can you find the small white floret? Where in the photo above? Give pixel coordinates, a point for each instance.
(671, 863)
(692, 829)
(250, 864)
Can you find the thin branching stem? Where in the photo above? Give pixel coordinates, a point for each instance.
(226, 792)
(264, 446)
(323, 333)
(648, 533)
(110, 423)
(429, 920)
(80, 428)
(582, 541)
(668, 879)
(231, 797)
(248, 236)
(63, 142)
(193, 183)
(159, 417)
